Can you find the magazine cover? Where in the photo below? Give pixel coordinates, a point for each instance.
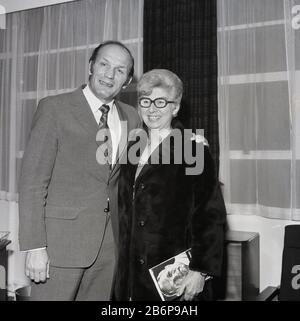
(169, 275)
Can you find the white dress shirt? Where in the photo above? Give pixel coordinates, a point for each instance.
(113, 119)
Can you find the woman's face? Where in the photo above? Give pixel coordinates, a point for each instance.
(159, 118)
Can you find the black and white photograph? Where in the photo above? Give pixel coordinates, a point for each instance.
(149, 152)
(169, 275)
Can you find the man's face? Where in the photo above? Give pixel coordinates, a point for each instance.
(170, 279)
(109, 72)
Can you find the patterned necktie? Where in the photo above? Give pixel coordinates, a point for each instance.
(107, 144)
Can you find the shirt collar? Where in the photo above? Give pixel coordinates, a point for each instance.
(94, 101)
(160, 135)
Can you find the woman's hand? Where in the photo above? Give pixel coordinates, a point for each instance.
(192, 286)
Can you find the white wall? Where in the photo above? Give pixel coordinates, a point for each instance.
(271, 234)
(16, 5)
(3, 216)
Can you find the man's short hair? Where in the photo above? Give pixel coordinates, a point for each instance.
(160, 78)
(94, 55)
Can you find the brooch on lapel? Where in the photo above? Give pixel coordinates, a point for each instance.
(199, 139)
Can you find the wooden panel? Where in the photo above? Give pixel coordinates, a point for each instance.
(240, 279)
(234, 272)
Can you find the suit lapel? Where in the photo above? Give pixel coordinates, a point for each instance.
(163, 154)
(82, 111)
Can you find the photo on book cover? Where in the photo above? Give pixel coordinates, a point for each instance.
(169, 275)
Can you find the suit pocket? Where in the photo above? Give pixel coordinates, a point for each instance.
(62, 212)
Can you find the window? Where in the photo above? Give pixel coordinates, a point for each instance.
(258, 99)
(45, 51)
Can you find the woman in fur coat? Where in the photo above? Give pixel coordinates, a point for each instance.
(169, 200)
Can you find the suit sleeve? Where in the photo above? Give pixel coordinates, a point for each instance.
(208, 221)
(38, 162)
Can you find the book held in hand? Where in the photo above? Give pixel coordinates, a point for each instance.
(169, 275)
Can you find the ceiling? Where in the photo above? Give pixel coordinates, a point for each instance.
(17, 5)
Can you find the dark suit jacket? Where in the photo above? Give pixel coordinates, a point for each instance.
(63, 189)
(163, 213)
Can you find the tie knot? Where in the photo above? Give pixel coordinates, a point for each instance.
(104, 109)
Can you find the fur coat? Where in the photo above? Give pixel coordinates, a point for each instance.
(163, 212)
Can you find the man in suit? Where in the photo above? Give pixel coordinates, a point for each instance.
(65, 193)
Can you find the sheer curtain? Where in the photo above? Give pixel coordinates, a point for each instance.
(45, 51)
(71, 31)
(259, 114)
(15, 76)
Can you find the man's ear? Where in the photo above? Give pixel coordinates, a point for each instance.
(127, 82)
(90, 68)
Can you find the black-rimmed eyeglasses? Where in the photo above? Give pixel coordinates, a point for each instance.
(158, 102)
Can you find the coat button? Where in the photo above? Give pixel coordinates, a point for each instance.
(142, 223)
(142, 261)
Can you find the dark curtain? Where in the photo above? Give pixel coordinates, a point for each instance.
(181, 35)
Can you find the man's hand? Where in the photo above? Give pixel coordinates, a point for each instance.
(192, 285)
(37, 265)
